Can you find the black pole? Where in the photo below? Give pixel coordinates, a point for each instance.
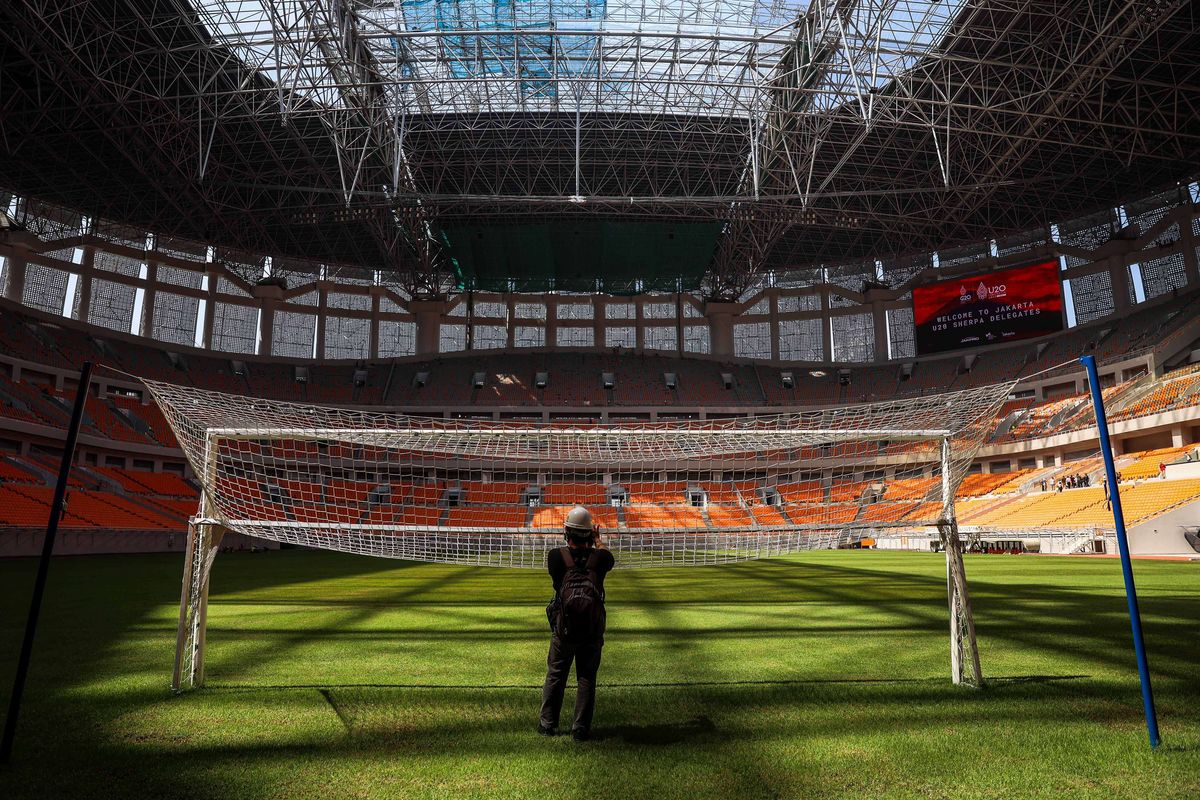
(39, 585)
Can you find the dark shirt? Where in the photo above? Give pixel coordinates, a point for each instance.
(558, 568)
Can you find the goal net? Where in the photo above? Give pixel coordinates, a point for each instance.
(496, 493)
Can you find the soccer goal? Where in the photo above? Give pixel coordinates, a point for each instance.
(679, 493)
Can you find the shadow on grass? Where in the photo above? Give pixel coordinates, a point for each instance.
(658, 734)
(221, 741)
(325, 687)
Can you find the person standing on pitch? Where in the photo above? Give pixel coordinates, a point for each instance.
(577, 620)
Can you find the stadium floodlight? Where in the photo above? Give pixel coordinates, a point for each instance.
(494, 493)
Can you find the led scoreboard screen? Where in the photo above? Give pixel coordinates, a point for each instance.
(995, 307)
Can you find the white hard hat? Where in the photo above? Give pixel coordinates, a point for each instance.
(579, 519)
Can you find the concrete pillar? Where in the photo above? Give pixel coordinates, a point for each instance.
(774, 304)
(1177, 436)
(86, 276)
(879, 320)
(266, 327)
(322, 313)
(826, 334)
(1187, 241)
(376, 295)
(551, 322)
(146, 328)
(210, 309)
(639, 319)
(22, 242)
(428, 315)
(510, 334)
(1120, 283)
(270, 296)
(598, 322)
(720, 326)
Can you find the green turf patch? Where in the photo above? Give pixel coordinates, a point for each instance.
(823, 676)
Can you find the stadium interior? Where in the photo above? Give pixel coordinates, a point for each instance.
(79, 294)
(814, 305)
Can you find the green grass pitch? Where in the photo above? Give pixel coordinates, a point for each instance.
(816, 676)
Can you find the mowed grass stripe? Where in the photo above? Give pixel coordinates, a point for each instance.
(822, 675)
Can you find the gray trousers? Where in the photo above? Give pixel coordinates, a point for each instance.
(586, 656)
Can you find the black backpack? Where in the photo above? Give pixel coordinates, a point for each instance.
(580, 603)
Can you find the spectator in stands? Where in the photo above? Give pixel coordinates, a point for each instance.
(577, 621)
(1107, 499)
(1162, 470)
(1043, 484)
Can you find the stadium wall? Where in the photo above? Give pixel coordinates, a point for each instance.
(198, 295)
(1164, 535)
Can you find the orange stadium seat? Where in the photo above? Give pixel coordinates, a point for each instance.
(768, 515)
(818, 514)
(664, 517)
(886, 512)
(666, 493)
(587, 494)
(556, 516)
(494, 493)
(12, 473)
(725, 517)
(497, 517)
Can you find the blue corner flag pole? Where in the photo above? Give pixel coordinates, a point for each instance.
(1135, 617)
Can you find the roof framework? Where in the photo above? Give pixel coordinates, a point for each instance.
(345, 130)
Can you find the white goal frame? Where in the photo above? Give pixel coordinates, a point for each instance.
(207, 529)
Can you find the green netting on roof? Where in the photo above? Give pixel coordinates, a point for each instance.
(617, 257)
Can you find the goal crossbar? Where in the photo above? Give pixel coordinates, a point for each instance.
(316, 434)
(347, 527)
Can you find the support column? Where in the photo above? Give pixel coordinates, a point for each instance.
(210, 309)
(598, 322)
(510, 333)
(639, 321)
(322, 313)
(428, 315)
(1187, 241)
(270, 296)
(826, 328)
(1177, 436)
(720, 326)
(149, 295)
(376, 295)
(1120, 283)
(879, 318)
(774, 304)
(551, 322)
(86, 276)
(680, 338)
(22, 242)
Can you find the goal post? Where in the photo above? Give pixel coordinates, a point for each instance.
(203, 544)
(495, 493)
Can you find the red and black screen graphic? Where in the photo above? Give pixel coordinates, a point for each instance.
(992, 308)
